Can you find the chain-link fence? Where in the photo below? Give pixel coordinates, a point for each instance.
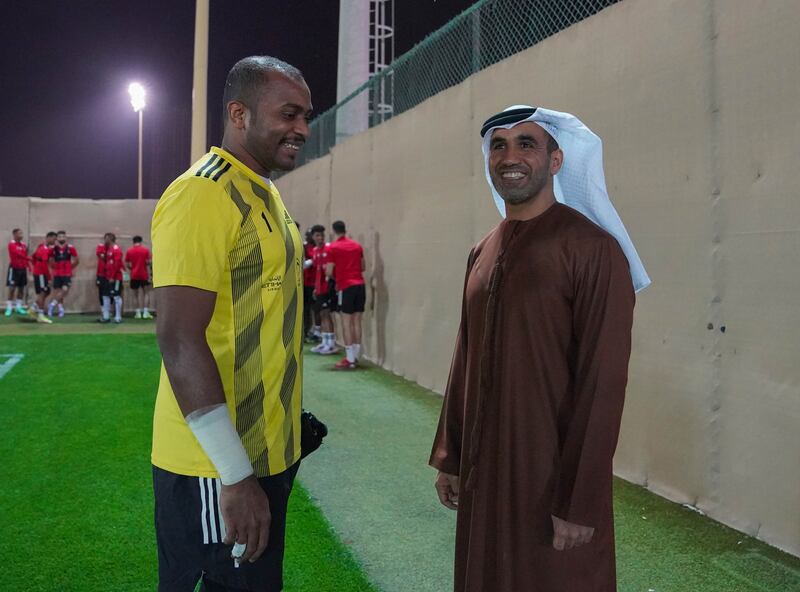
(486, 33)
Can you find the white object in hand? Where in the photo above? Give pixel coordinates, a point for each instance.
(237, 552)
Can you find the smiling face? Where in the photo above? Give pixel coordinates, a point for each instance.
(319, 238)
(275, 129)
(520, 164)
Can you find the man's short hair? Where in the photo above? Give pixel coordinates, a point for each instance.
(248, 77)
(137, 239)
(51, 233)
(339, 227)
(317, 228)
(62, 232)
(552, 144)
(16, 230)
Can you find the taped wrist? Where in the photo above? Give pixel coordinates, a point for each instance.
(213, 428)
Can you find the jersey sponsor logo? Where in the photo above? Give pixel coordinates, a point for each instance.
(273, 284)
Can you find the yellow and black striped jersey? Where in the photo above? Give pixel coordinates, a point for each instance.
(223, 228)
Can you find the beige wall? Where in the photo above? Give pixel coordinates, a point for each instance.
(85, 221)
(697, 104)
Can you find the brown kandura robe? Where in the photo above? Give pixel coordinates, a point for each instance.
(533, 404)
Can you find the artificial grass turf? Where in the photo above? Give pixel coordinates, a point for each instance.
(77, 495)
(69, 524)
(381, 428)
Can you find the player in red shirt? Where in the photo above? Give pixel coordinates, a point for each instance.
(41, 276)
(310, 319)
(346, 265)
(138, 260)
(65, 259)
(100, 253)
(324, 293)
(17, 277)
(112, 279)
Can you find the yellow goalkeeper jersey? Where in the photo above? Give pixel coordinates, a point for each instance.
(223, 228)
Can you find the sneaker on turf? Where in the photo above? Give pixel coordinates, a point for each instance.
(344, 364)
(102, 320)
(43, 319)
(9, 312)
(61, 314)
(146, 315)
(117, 321)
(328, 350)
(317, 348)
(138, 315)
(21, 310)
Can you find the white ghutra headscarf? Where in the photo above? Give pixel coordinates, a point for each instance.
(581, 183)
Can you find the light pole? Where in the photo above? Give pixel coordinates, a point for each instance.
(136, 91)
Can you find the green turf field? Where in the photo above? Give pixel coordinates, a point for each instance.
(77, 501)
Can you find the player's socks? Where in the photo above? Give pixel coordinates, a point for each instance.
(315, 331)
(106, 307)
(350, 354)
(117, 308)
(50, 308)
(60, 310)
(357, 350)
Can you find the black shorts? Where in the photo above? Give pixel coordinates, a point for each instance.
(16, 278)
(325, 302)
(308, 294)
(111, 288)
(62, 281)
(136, 284)
(189, 534)
(41, 284)
(353, 299)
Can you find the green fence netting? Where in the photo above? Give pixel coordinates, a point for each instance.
(486, 33)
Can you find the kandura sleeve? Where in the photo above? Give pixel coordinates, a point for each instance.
(602, 321)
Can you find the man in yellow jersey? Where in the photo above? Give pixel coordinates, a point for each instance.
(228, 273)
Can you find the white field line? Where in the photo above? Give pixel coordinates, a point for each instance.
(10, 362)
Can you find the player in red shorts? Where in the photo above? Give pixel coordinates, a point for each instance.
(65, 260)
(138, 261)
(324, 294)
(17, 277)
(41, 276)
(346, 265)
(112, 280)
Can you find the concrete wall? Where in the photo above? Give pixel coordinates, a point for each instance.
(85, 221)
(696, 101)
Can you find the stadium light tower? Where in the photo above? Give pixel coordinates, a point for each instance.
(137, 93)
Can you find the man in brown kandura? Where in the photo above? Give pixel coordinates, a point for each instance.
(533, 404)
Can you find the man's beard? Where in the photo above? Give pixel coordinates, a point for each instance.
(524, 194)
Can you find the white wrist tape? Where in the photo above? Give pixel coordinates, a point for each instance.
(213, 428)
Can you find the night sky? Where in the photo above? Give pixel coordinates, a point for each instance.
(66, 125)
